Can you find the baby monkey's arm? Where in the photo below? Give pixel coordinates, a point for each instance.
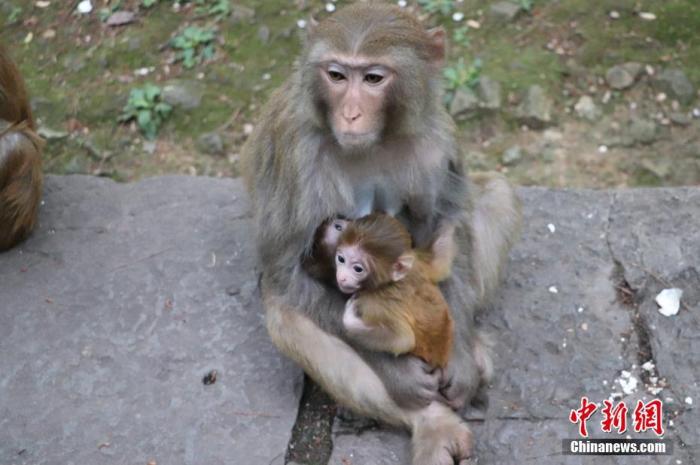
(371, 321)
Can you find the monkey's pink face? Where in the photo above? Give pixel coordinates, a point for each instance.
(332, 233)
(351, 267)
(357, 91)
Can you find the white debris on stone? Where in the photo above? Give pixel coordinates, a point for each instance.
(647, 16)
(457, 16)
(627, 382)
(553, 290)
(580, 310)
(648, 366)
(248, 129)
(689, 400)
(551, 228)
(669, 301)
(330, 7)
(603, 149)
(614, 14)
(301, 24)
(402, 3)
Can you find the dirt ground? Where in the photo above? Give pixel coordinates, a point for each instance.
(81, 68)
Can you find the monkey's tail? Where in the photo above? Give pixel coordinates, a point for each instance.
(497, 219)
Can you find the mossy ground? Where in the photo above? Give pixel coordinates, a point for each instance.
(80, 72)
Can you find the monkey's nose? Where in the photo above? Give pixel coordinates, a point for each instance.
(351, 114)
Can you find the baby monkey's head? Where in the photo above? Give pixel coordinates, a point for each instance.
(372, 251)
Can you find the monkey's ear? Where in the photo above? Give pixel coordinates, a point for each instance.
(438, 44)
(402, 266)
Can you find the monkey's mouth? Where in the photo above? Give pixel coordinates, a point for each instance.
(347, 289)
(356, 139)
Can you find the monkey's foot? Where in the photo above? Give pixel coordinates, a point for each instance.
(441, 438)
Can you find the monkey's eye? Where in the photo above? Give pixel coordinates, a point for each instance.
(373, 78)
(341, 259)
(358, 269)
(335, 75)
(338, 226)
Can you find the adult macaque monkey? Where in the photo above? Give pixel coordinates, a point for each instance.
(359, 127)
(20, 158)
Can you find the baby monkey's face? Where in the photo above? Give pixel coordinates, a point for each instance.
(331, 235)
(352, 268)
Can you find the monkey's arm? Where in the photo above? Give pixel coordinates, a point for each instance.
(20, 182)
(371, 324)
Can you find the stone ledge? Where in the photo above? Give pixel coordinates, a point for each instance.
(128, 294)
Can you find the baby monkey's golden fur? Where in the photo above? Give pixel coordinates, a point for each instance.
(408, 315)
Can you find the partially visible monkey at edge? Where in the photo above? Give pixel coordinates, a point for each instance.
(360, 126)
(20, 158)
(396, 305)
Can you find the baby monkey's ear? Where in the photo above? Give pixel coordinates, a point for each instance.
(402, 266)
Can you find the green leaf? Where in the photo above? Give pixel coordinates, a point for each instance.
(144, 118)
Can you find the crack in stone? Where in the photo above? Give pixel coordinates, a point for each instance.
(312, 434)
(630, 299)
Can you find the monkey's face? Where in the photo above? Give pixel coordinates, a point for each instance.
(332, 233)
(357, 91)
(352, 268)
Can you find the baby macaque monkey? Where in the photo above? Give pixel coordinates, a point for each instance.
(320, 263)
(396, 305)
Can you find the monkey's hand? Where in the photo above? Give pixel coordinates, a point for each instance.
(456, 384)
(410, 381)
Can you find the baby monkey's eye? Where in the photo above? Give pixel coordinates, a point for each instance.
(338, 226)
(341, 259)
(358, 269)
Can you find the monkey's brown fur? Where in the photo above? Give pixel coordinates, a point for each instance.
(20, 158)
(298, 174)
(411, 309)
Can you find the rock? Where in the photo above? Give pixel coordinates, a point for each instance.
(464, 102)
(536, 108)
(489, 92)
(120, 18)
(505, 12)
(587, 109)
(675, 84)
(137, 291)
(512, 155)
(113, 312)
(681, 119)
(640, 131)
(210, 143)
(623, 76)
(264, 34)
(185, 94)
(241, 14)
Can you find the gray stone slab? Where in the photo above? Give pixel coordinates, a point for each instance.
(114, 311)
(127, 295)
(662, 250)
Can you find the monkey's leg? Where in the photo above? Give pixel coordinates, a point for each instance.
(439, 436)
(332, 363)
